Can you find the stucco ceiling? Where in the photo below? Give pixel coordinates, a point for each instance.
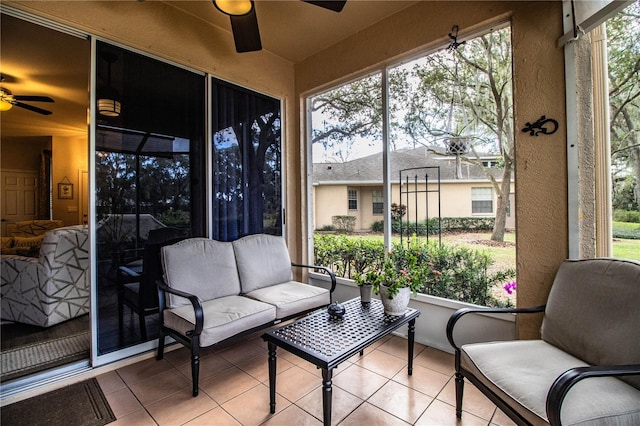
(296, 30)
(41, 61)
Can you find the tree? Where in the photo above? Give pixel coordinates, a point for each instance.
(623, 49)
(442, 95)
(352, 110)
(467, 92)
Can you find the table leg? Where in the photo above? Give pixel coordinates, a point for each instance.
(411, 338)
(326, 395)
(272, 378)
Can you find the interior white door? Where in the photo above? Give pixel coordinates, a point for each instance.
(19, 197)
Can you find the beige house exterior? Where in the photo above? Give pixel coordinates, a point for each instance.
(354, 188)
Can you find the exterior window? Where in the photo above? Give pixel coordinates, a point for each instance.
(481, 200)
(353, 199)
(378, 202)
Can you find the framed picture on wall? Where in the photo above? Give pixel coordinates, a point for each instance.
(65, 191)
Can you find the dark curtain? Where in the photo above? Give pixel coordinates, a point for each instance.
(247, 183)
(44, 186)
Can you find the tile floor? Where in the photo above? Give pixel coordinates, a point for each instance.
(234, 389)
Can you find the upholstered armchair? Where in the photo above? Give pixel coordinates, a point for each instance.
(52, 287)
(584, 369)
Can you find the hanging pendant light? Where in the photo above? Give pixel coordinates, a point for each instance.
(109, 101)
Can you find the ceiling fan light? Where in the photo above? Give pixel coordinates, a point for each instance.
(234, 7)
(6, 99)
(5, 106)
(109, 107)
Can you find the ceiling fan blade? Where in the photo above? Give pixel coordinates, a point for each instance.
(246, 33)
(32, 108)
(32, 98)
(336, 6)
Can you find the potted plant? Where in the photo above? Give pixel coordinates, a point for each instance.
(366, 282)
(402, 273)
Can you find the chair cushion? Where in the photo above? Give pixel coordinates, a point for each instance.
(521, 372)
(263, 260)
(28, 246)
(200, 266)
(292, 297)
(577, 321)
(223, 317)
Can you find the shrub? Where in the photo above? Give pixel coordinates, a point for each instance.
(177, 218)
(451, 224)
(631, 216)
(451, 272)
(344, 223)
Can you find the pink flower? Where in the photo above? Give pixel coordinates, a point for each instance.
(510, 287)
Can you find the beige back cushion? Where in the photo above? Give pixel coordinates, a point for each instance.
(200, 266)
(592, 312)
(263, 260)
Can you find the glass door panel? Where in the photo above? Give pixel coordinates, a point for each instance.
(149, 182)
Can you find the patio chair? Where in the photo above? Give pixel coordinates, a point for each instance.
(137, 287)
(585, 368)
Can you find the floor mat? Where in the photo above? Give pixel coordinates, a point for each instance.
(41, 356)
(80, 404)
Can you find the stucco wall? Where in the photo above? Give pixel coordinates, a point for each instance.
(538, 72)
(455, 201)
(70, 157)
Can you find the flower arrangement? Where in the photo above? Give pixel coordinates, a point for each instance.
(404, 267)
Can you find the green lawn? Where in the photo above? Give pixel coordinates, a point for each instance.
(627, 249)
(624, 247)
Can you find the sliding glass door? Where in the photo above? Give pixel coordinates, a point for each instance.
(149, 168)
(247, 183)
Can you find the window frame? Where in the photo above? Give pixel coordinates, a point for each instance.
(350, 200)
(377, 201)
(478, 196)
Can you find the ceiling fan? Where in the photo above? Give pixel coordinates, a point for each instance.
(8, 100)
(244, 22)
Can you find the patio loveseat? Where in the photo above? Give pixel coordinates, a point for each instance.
(585, 368)
(213, 291)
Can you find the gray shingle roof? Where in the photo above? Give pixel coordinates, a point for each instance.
(369, 169)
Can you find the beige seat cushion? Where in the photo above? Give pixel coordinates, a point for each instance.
(223, 317)
(523, 371)
(292, 297)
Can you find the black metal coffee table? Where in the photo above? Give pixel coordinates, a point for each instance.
(326, 342)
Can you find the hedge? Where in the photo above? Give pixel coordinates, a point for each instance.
(457, 273)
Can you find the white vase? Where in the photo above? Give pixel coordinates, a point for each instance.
(398, 305)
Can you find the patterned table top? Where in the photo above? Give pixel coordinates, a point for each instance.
(326, 341)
